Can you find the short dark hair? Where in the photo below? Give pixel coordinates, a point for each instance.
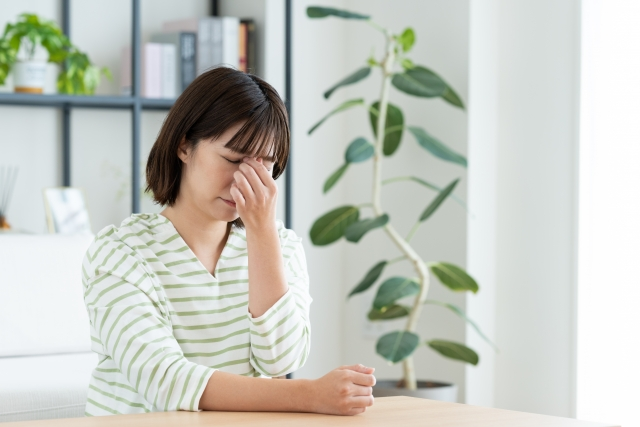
(215, 101)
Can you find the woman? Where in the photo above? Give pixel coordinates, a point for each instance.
(175, 320)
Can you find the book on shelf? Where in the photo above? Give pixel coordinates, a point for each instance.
(217, 39)
(188, 47)
(247, 46)
(158, 71)
(185, 61)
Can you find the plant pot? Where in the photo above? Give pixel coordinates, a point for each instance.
(29, 76)
(426, 390)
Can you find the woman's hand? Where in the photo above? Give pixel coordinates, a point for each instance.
(255, 193)
(343, 391)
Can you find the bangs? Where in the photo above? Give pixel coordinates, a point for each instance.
(264, 134)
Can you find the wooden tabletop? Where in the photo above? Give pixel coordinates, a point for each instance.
(386, 411)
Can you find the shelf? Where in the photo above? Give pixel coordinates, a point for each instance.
(88, 101)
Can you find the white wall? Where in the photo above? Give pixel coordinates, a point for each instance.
(524, 109)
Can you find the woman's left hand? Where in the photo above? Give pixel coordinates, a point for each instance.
(255, 193)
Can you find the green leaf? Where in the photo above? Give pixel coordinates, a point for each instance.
(436, 147)
(452, 98)
(457, 310)
(350, 79)
(453, 277)
(323, 12)
(397, 346)
(407, 64)
(395, 119)
(369, 279)
(358, 151)
(454, 350)
(393, 289)
(355, 231)
(435, 204)
(387, 313)
(344, 106)
(331, 226)
(330, 182)
(419, 81)
(407, 39)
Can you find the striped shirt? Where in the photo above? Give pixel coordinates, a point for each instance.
(161, 324)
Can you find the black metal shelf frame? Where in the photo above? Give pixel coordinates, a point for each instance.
(136, 103)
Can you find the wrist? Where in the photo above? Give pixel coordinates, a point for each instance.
(303, 398)
(261, 228)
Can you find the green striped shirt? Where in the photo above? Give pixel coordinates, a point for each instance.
(161, 324)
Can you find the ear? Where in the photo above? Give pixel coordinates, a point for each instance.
(184, 149)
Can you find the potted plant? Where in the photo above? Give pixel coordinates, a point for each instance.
(18, 47)
(388, 127)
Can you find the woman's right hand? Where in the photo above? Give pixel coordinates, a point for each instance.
(343, 391)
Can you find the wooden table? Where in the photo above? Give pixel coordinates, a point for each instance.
(386, 412)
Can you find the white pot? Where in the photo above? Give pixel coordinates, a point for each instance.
(29, 76)
(426, 390)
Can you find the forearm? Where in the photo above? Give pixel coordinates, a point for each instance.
(229, 392)
(267, 279)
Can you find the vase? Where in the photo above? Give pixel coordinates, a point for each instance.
(29, 76)
(426, 390)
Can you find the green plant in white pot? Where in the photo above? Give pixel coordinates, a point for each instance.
(18, 47)
(388, 127)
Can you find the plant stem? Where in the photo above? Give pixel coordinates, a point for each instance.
(426, 184)
(419, 265)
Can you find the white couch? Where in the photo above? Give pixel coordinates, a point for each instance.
(45, 357)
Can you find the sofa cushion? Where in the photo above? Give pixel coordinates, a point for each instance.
(43, 387)
(42, 309)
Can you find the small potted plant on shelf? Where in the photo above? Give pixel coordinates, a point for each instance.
(18, 47)
(388, 127)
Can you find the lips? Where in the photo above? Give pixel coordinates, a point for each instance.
(229, 202)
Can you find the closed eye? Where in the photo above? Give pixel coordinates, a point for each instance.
(230, 161)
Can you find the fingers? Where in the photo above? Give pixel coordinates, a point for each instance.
(252, 178)
(359, 390)
(243, 185)
(366, 380)
(362, 402)
(237, 196)
(356, 411)
(266, 175)
(359, 368)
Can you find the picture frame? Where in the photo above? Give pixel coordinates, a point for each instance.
(66, 210)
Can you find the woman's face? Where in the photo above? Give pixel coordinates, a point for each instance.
(207, 175)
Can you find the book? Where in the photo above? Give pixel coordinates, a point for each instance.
(242, 47)
(202, 28)
(185, 65)
(250, 42)
(125, 72)
(230, 26)
(168, 72)
(217, 39)
(151, 70)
